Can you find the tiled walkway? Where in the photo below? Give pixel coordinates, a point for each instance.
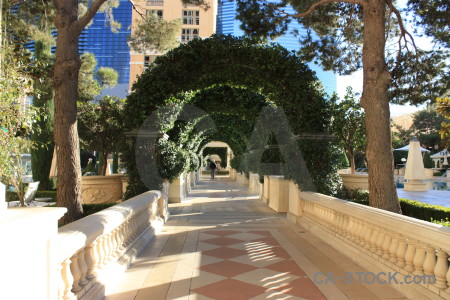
(222, 243)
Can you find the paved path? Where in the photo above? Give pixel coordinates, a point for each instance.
(223, 243)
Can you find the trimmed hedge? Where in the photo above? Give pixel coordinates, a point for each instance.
(12, 196)
(411, 208)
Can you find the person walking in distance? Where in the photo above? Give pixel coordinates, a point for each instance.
(212, 167)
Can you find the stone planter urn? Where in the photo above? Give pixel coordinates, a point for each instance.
(355, 181)
(102, 189)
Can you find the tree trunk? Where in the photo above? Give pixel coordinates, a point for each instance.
(351, 160)
(375, 101)
(115, 164)
(65, 82)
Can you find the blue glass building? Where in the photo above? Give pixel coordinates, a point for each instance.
(227, 24)
(111, 49)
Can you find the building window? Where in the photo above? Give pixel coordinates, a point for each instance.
(155, 2)
(188, 34)
(191, 17)
(148, 60)
(195, 4)
(156, 12)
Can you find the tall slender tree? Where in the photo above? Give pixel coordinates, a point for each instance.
(351, 34)
(65, 82)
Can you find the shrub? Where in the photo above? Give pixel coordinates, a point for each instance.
(410, 208)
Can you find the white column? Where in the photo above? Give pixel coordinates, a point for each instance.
(28, 241)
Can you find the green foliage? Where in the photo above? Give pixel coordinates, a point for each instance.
(231, 98)
(433, 17)
(100, 125)
(427, 161)
(16, 122)
(348, 125)
(154, 33)
(42, 154)
(91, 82)
(107, 77)
(443, 108)
(411, 208)
(334, 39)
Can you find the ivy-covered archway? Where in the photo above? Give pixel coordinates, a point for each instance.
(232, 79)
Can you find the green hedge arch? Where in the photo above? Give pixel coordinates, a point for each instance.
(270, 70)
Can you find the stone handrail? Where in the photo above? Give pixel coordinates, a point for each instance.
(381, 240)
(90, 249)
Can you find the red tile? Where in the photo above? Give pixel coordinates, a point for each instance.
(261, 232)
(222, 241)
(230, 289)
(287, 266)
(304, 288)
(224, 252)
(227, 268)
(221, 232)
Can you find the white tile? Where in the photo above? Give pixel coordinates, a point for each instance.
(201, 278)
(203, 260)
(205, 246)
(258, 260)
(246, 236)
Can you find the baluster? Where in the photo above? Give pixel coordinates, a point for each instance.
(367, 237)
(401, 251)
(430, 261)
(441, 268)
(91, 260)
(122, 236)
(75, 273)
(419, 259)
(345, 226)
(116, 242)
(350, 228)
(373, 239)
(409, 256)
(393, 249)
(386, 245)
(358, 229)
(126, 233)
(82, 266)
(109, 254)
(103, 250)
(380, 241)
(67, 279)
(61, 283)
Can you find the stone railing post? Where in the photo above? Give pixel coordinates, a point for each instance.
(28, 249)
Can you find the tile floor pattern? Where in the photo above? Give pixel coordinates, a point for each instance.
(253, 265)
(225, 243)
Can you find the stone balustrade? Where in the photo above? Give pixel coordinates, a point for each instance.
(92, 252)
(379, 240)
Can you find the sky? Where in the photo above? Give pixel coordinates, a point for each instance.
(356, 79)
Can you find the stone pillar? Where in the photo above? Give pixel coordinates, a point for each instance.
(176, 190)
(28, 253)
(279, 194)
(3, 204)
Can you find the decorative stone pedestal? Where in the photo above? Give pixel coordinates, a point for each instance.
(27, 255)
(177, 190)
(279, 194)
(101, 189)
(415, 186)
(355, 181)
